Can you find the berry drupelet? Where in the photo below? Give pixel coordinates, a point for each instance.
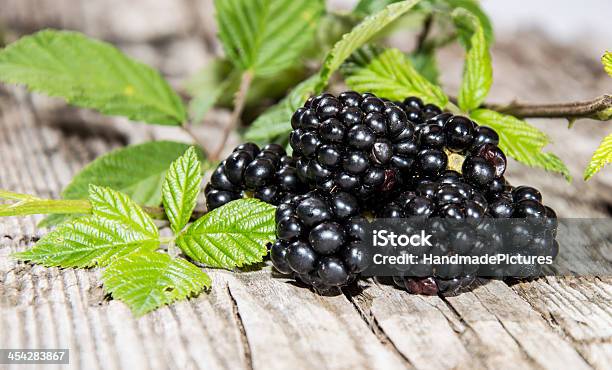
(267, 172)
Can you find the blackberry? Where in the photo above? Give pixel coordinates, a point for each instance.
(320, 239)
(353, 142)
(356, 156)
(268, 173)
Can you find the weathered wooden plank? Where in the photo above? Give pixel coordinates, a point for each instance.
(579, 308)
(288, 326)
(540, 342)
(419, 327)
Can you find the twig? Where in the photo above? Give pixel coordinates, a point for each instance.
(188, 130)
(239, 101)
(594, 109)
(599, 108)
(422, 37)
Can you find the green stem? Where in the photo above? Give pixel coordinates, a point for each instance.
(35, 206)
(30, 205)
(5, 194)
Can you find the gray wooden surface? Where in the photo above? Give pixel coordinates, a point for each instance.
(257, 320)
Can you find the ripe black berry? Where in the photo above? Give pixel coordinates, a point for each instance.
(494, 156)
(459, 133)
(288, 228)
(356, 257)
(278, 255)
(485, 135)
(332, 271)
(526, 192)
(301, 257)
(478, 171)
(432, 162)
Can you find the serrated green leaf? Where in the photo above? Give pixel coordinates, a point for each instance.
(146, 281)
(367, 7)
(276, 121)
(477, 70)
(473, 6)
(90, 74)
(232, 235)
(266, 36)
(521, 141)
(117, 227)
(606, 60)
(86, 242)
(115, 206)
(138, 171)
(181, 188)
(601, 157)
(388, 73)
(359, 36)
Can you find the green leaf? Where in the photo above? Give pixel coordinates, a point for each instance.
(521, 141)
(114, 206)
(232, 235)
(90, 74)
(388, 73)
(276, 121)
(359, 36)
(477, 70)
(606, 60)
(117, 227)
(473, 6)
(181, 188)
(137, 171)
(601, 157)
(146, 281)
(367, 7)
(266, 36)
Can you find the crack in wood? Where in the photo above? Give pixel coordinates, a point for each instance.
(372, 323)
(559, 328)
(243, 335)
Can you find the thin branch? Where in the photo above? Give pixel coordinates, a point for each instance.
(599, 108)
(189, 131)
(422, 37)
(239, 101)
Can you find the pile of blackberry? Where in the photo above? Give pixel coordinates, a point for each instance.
(356, 156)
(267, 173)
